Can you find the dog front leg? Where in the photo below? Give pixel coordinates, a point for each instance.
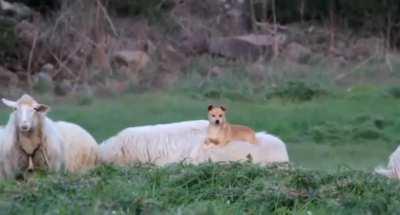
(210, 143)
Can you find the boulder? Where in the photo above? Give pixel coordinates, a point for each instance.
(130, 64)
(18, 10)
(234, 48)
(42, 81)
(167, 70)
(8, 83)
(63, 87)
(100, 58)
(47, 68)
(215, 71)
(26, 32)
(135, 61)
(366, 47)
(250, 47)
(194, 43)
(263, 40)
(257, 72)
(7, 78)
(297, 52)
(172, 59)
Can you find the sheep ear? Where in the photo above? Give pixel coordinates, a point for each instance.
(9, 103)
(210, 107)
(42, 108)
(223, 108)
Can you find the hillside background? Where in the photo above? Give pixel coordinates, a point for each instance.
(244, 48)
(322, 75)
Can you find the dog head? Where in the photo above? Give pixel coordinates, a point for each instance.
(216, 115)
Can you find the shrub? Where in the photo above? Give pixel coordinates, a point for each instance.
(151, 9)
(297, 91)
(231, 188)
(44, 84)
(393, 91)
(360, 128)
(8, 41)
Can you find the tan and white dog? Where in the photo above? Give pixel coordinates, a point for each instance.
(220, 132)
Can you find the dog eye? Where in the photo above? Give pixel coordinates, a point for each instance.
(220, 115)
(213, 115)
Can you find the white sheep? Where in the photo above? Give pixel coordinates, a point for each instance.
(183, 142)
(81, 149)
(393, 167)
(31, 140)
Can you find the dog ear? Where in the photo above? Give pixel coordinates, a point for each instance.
(223, 108)
(210, 107)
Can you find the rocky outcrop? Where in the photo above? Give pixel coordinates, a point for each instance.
(245, 47)
(297, 52)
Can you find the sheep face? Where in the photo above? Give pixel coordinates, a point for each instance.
(28, 113)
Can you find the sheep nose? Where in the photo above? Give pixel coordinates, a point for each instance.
(24, 127)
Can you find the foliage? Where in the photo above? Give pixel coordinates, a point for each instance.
(44, 6)
(393, 91)
(367, 17)
(361, 128)
(339, 129)
(8, 41)
(207, 188)
(297, 91)
(234, 82)
(150, 9)
(335, 185)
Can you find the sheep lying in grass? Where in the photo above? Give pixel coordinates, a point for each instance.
(31, 140)
(81, 149)
(184, 142)
(393, 168)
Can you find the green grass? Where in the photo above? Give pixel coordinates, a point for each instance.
(342, 127)
(205, 189)
(334, 142)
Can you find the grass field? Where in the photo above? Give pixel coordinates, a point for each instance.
(334, 142)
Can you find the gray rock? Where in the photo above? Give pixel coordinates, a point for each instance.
(297, 52)
(42, 82)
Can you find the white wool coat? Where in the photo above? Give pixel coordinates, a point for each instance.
(81, 149)
(183, 142)
(67, 147)
(11, 157)
(393, 168)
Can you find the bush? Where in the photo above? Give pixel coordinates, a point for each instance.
(84, 95)
(44, 6)
(8, 41)
(360, 129)
(233, 83)
(151, 9)
(44, 84)
(393, 92)
(297, 91)
(230, 188)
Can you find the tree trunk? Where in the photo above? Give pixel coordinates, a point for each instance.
(332, 28)
(252, 15)
(389, 25)
(301, 10)
(275, 44)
